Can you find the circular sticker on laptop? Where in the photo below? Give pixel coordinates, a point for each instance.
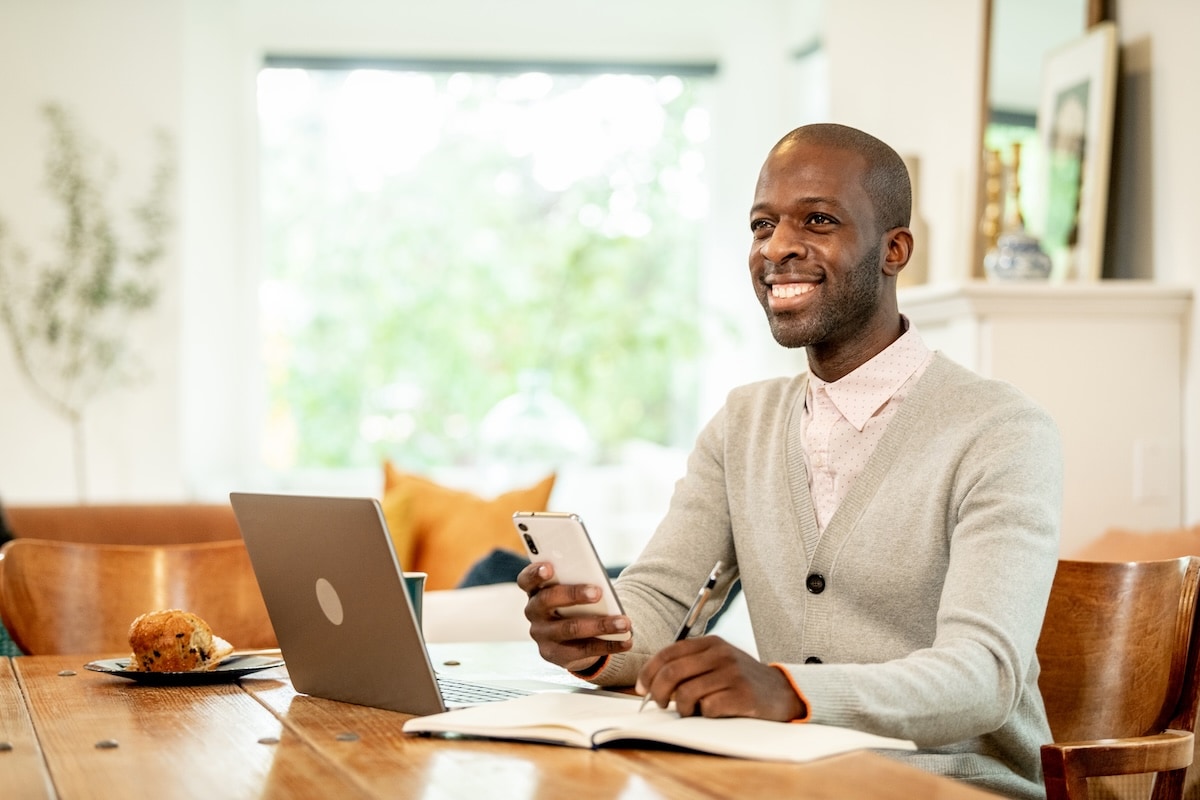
(331, 604)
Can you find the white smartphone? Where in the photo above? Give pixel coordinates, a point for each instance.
(562, 540)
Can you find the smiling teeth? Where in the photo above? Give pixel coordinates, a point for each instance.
(786, 290)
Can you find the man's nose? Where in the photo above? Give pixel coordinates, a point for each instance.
(784, 244)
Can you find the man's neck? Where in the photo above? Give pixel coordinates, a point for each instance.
(833, 362)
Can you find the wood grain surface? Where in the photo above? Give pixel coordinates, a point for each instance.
(104, 736)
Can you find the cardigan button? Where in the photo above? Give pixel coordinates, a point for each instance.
(812, 660)
(815, 583)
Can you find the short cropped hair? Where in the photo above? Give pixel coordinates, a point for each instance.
(886, 180)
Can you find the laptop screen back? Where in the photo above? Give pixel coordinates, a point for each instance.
(336, 597)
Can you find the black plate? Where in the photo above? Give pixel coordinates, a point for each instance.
(230, 669)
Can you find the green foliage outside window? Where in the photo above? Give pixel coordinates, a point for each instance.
(417, 290)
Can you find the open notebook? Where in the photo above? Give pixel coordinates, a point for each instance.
(582, 720)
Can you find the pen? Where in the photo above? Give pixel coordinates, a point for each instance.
(693, 614)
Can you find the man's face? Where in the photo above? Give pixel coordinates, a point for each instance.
(815, 257)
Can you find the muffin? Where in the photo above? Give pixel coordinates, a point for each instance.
(174, 641)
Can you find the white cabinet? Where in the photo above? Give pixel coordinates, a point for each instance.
(1106, 360)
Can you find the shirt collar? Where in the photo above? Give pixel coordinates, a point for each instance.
(867, 389)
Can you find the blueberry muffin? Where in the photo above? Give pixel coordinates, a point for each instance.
(174, 641)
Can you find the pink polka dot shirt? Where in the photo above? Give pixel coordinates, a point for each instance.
(844, 420)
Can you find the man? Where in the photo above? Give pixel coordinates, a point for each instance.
(893, 517)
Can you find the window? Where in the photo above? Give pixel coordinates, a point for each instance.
(463, 261)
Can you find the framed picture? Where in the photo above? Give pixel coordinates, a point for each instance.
(1074, 126)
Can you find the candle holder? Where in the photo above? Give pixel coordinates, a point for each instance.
(1016, 253)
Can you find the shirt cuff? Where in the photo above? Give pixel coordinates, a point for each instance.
(806, 710)
(593, 670)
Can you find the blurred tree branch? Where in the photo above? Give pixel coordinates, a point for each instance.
(68, 315)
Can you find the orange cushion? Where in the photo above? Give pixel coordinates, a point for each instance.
(444, 531)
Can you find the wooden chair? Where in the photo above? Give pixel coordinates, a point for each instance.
(126, 523)
(70, 597)
(1118, 652)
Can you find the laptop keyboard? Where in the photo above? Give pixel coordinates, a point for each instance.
(455, 691)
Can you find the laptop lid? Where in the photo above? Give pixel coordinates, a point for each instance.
(334, 590)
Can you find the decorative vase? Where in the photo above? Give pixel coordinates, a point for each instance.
(1017, 256)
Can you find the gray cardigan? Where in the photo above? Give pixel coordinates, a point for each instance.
(936, 568)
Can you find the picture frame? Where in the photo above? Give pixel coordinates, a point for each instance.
(1074, 132)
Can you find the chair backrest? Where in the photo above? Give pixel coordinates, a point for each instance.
(69, 597)
(1117, 648)
(126, 523)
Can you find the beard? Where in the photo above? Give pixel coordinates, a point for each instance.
(842, 310)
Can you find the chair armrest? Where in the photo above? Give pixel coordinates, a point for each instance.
(1068, 762)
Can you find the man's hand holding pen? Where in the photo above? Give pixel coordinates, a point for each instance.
(709, 677)
(693, 614)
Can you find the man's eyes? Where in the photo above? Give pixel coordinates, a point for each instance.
(763, 226)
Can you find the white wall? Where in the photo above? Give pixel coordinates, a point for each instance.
(118, 74)
(1155, 208)
(908, 73)
(911, 74)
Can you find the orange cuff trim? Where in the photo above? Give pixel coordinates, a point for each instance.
(806, 714)
(593, 670)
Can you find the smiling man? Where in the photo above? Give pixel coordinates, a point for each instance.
(824, 259)
(892, 516)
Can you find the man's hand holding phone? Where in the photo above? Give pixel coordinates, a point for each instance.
(573, 611)
(572, 642)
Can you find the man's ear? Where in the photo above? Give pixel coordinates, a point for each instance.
(897, 250)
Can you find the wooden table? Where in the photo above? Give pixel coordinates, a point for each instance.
(76, 734)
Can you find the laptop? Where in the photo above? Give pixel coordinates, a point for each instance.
(335, 593)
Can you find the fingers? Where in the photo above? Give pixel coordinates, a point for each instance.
(572, 641)
(533, 576)
(668, 669)
(710, 677)
(567, 640)
(707, 696)
(546, 597)
(574, 630)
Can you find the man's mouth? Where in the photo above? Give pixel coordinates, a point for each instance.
(785, 291)
(784, 298)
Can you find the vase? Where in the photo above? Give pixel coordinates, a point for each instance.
(1017, 256)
